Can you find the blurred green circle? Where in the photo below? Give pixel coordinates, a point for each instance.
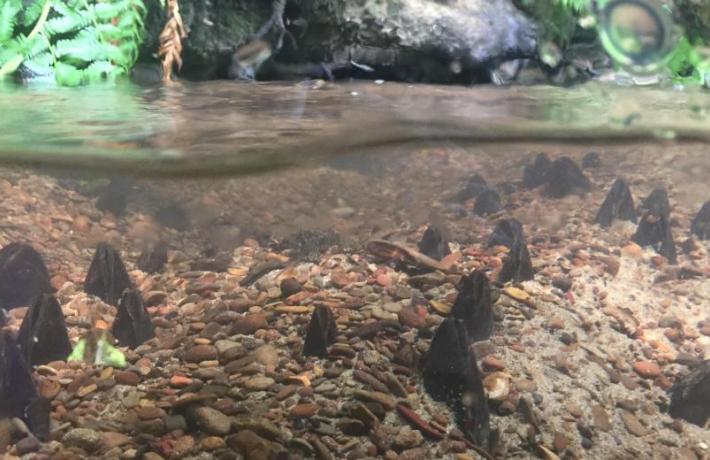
(639, 34)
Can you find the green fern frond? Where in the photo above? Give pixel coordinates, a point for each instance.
(76, 41)
(8, 18)
(576, 5)
(31, 14)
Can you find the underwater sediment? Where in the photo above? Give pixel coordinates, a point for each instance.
(561, 334)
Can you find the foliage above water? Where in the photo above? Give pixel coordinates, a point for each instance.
(70, 41)
(688, 62)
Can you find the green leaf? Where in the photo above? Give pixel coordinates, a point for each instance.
(32, 13)
(8, 18)
(100, 71)
(40, 65)
(67, 75)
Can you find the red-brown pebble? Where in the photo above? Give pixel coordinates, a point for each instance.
(304, 410)
(647, 369)
(180, 381)
(492, 363)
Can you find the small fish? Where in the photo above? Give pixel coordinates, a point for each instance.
(248, 58)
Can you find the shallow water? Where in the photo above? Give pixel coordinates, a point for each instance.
(218, 128)
(580, 359)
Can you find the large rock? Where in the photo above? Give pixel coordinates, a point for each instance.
(422, 40)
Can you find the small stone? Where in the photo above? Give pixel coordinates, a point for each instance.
(211, 443)
(375, 396)
(111, 439)
(212, 421)
(180, 381)
(647, 369)
(601, 418)
(304, 410)
(250, 323)
(492, 363)
(407, 438)
(412, 317)
(251, 445)
(151, 456)
(83, 438)
(352, 427)
(633, 425)
(290, 286)
(560, 442)
(259, 383)
(27, 445)
(175, 423)
(562, 282)
(611, 265)
(200, 353)
(150, 412)
(632, 250)
(127, 378)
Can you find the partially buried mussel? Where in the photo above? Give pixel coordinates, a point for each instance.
(132, 325)
(23, 276)
(451, 375)
(321, 333)
(473, 306)
(654, 229)
(43, 334)
(107, 277)
(18, 395)
(618, 204)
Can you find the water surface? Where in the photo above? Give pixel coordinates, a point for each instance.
(219, 128)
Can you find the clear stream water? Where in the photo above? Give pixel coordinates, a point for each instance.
(225, 128)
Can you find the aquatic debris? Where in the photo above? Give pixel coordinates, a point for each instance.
(536, 174)
(473, 188)
(18, 395)
(107, 277)
(259, 270)
(174, 216)
(113, 197)
(701, 223)
(618, 204)
(517, 265)
(451, 375)
(43, 334)
(487, 202)
(690, 396)
(497, 385)
(506, 233)
(95, 348)
(565, 178)
(591, 160)
(321, 333)
(153, 258)
(400, 253)
(369, 330)
(309, 245)
(23, 276)
(212, 261)
(132, 325)
(422, 425)
(434, 243)
(473, 306)
(654, 228)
